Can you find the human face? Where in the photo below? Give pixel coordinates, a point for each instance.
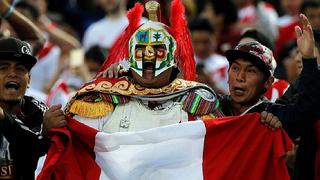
(293, 65)
(110, 6)
(291, 7)
(246, 82)
(14, 79)
(313, 14)
(203, 43)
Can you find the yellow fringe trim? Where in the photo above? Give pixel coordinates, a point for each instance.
(209, 116)
(91, 109)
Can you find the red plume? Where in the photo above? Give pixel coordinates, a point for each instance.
(119, 50)
(179, 30)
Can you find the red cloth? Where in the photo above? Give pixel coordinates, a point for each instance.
(234, 148)
(62, 87)
(242, 148)
(286, 34)
(70, 156)
(45, 50)
(277, 89)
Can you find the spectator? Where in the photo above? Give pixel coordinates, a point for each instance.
(251, 74)
(21, 116)
(70, 80)
(307, 157)
(223, 14)
(312, 10)
(105, 31)
(153, 67)
(204, 43)
(279, 86)
(286, 23)
(19, 25)
(55, 52)
(259, 15)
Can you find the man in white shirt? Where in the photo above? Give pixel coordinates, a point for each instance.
(215, 65)
(105, 31)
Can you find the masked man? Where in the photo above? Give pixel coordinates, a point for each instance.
(150, 95)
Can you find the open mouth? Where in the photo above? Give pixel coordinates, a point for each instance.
(149, 65)
(12, 85)
(238, 90)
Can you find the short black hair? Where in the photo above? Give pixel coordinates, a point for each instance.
(258, 36)
(95, 53)
(227, 8)
(309, 4)
(200, 23)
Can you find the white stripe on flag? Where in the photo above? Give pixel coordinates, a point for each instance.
(135, 155)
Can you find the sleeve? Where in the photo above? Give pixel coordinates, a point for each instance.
(22, 137)
(300, 114)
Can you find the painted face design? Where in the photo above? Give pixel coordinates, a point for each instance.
(152, 47)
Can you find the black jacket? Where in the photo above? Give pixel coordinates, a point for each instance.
(306, 153)
(23, 132)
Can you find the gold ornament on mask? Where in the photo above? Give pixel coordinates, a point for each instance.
(149, 53)
(152, 8)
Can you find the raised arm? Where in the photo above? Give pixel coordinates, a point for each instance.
(305, 39)
(25, 29)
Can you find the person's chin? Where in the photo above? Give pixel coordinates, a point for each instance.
(11, 100)
(237, 99)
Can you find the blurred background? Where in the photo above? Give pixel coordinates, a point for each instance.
(79, 34)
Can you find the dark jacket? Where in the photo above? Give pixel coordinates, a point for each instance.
(306, 153)
(23, 132)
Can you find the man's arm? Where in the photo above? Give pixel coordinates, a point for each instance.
(25, 29)
(296, 116)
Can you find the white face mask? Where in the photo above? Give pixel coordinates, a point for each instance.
(152, 43)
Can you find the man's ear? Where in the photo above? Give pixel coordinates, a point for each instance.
(268, 82)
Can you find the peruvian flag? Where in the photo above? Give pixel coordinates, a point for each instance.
(216, 149)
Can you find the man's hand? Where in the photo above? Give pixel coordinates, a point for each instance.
(53, 118)
(114, 71)
(270, 120)
(305, 39)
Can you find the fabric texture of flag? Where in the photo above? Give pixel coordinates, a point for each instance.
(225, 148)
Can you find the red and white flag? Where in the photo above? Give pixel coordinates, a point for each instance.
(225, 148)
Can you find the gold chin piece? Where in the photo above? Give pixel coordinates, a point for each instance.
(152, 9)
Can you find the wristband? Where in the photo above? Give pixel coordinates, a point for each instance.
(9, 12)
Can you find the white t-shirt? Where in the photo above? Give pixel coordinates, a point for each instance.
(217, 67)
(44, 69)
(104, 32)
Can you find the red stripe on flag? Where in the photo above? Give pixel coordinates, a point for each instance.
(230, 148)
(69, 157)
